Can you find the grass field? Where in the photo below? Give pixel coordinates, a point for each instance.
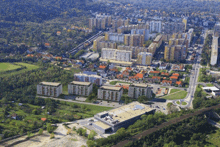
(184, 103)
(209, 85)
(8, 66)
(115, 82)
(178, 102)
(27, 65)
(214, 138)
(174, 90)
(179, 95)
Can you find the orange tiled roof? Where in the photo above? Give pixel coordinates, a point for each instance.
(179, 82)
(156, 77)
(30, 55)
(175, 74)
(43, 119)
(165, 73)
(154, 71)
(60, 58)
(128, 68)
(119, 76)
(47, 44)
(102, 66)
(139, 75)
(167, 81)
(174, 77)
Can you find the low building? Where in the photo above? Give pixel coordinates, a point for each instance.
(166, 82)
(136, 90)
(177, 67)
(110, 93)
(49, 89)
(111, 121)
(154, 73)
(163, 66)
(179, 83)
(80, 88)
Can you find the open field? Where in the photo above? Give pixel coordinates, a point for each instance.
(178, 95)
(8, 66)
(209, 85)
(18, 65)
(174, 90)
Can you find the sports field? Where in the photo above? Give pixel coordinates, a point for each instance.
(8, 66)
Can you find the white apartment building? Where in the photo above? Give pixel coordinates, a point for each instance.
(155, 26)
(88, 78)
(136, 90)
(110, 93)
(49, 89)
(118, 55)
(80, 88)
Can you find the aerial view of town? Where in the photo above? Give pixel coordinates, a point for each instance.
(110, 73)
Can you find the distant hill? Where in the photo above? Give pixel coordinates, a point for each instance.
(40, 10)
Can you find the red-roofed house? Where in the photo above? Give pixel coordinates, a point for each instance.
(58, 58)
(47, 45)
(157, 79)
(58, 33)
(154, 73)
(102, 67)
(166, 83)
(176, 74)
(119, 76)
(30, 55)
(174, 78)
(139, 75)
(43, 119)
(179, 83)
(164, 74)
(128, 68)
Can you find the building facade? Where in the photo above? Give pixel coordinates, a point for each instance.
(80, 88)
(173, 27)
(114, 54)
(144, 58)
(155, 26)
(110, 93)
(95, 79)
(136, 90)
(49, 89)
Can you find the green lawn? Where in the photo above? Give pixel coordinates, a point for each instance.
(174, 90)
(65, 89)
(209, 85)
(178, 102)
(28, 68)
(214, 138)
(115, 82)
(8, 66)
(179, 95)
(184, 103)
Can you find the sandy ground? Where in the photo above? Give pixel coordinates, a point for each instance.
(60, 140)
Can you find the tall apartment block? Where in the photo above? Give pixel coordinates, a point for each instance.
(177, 48)
(49, 89)
(110, 93)
(116, 23)
(114, 37)
(214, 53)
(114, 54)
(128, 28)
(173, 27)
(143, 32)
(100, 22)
(134, 49)
(88, 78)
(217, 29)
(155, 26)
(133, 40)
(136, 90)
(80, 88)
(144, 58)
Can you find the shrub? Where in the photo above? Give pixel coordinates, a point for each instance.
(52, 135)
(40, 132)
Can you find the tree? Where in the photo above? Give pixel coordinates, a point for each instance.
(142, 98)
(40, 131)
(49, 128)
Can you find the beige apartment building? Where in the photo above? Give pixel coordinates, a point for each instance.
(80, 88)
(110, 93)
(144, 58)
(51, 89)
(136, 90)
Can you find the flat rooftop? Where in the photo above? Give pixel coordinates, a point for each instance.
(111, 88)
(139, 85)
(125, 113)
(210, 88)
(80, 83)
(50, 83)
(102, 125)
